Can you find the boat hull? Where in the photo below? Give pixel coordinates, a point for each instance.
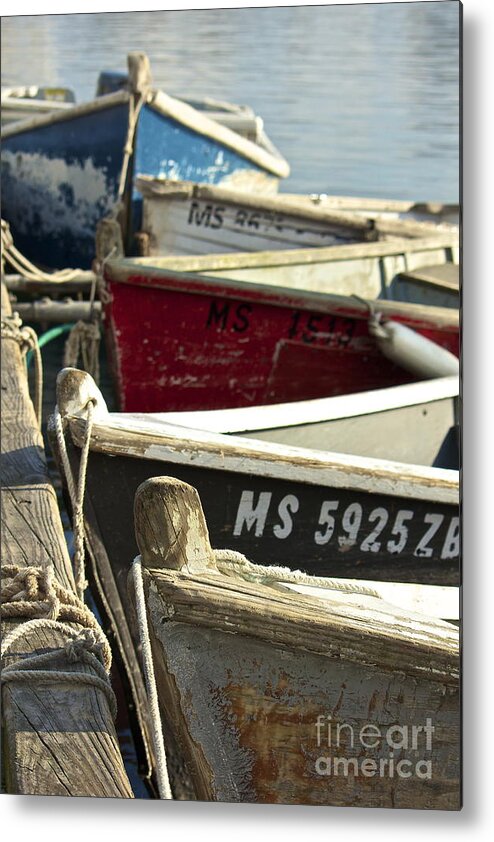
(61, 173)
(182, 217)
(415, 423)
(272, 695)
(275, 724)
(210, 342)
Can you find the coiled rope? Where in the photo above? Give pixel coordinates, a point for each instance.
(26, 338)
(32, 591)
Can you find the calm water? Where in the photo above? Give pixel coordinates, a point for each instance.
(361, 100)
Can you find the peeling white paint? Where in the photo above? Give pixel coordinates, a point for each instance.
(43, 189)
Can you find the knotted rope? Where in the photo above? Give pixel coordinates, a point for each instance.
(33, 591)
(83, 341)
(27, 340)
(76, 493)
(233, 563)
(149, 677)
(24, 267)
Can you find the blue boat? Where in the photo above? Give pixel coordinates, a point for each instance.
(63, 172)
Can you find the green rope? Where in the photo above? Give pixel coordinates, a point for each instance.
(49, 336)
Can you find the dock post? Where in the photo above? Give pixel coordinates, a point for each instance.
(60, 737)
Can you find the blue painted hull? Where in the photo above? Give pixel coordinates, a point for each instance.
(61, 176)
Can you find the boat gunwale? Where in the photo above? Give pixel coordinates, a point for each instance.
(77, 110)
(163, 442)
(369, 203)
(198, 122)
(298, 622)
(315, 410)
(218, 261)
(158, 189)
(126, 271)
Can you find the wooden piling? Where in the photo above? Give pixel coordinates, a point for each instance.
(59, 734)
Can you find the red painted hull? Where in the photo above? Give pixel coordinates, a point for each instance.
(179, 341)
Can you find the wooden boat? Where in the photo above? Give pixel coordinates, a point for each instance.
(25, 102)
(414, 423)
(278, 697)
(183, 217)
(325, 512)
(215, 331)
(240, 118)
(63, 172)
(370, 206)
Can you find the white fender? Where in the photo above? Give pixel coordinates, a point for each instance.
(411, 351)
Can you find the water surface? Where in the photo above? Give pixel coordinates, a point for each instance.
(361, 99)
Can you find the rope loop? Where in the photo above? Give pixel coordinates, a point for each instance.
(76, 493)
(88, 647)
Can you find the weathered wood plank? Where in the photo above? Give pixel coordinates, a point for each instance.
(59, 736)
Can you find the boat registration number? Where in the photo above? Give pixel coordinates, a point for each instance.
(346, 526)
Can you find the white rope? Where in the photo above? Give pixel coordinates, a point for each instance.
(233, 563)
(26, 338)
(24, 266)
(156, 728)
(76, 494)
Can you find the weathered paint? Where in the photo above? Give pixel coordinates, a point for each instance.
(409, 423)
(183, 217)
(61, 172)
(323, 530)
(271, 689)
(58, 180)
(180, 341)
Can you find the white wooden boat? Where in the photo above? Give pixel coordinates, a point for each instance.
(24, 102)
(413, 423)
(427, 211)
(273, 696)
(183, 217)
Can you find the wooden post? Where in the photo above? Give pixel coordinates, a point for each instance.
(59, 736)
(140, 79)
(109, 239)
(170, 526)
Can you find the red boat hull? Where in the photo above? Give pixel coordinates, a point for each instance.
(179, 341)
